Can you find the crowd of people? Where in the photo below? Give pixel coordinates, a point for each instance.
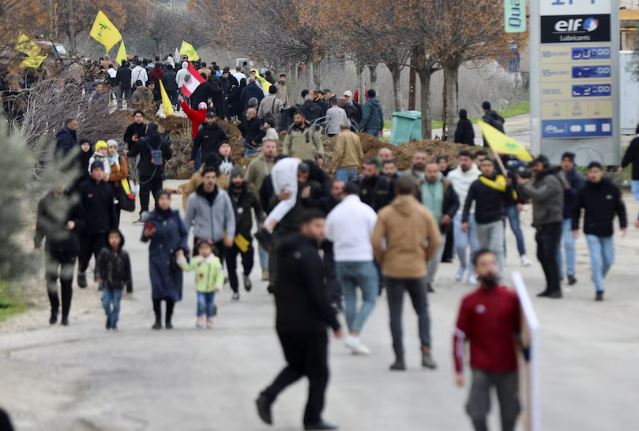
(326, 235)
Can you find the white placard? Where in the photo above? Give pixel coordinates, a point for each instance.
(574, 7)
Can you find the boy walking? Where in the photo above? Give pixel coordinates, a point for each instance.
(113, 274)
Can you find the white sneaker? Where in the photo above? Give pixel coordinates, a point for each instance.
(349, 343)
(460, 275)
(357, 347)
(472, 279)
(525, 262)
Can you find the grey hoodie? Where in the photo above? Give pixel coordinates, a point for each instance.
(214, 222)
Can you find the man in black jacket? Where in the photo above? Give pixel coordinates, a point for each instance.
(488, 193)
(59, 221)
(601, 201)
(154, 151)
(123, 75)
(209, 138)
(303, 313)
(244, 200)
(66, 139)
(97, 201)
(492, 118)
(375, 189)
(252, 132)
(170, 84)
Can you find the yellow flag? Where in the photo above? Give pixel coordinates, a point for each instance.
(121, 57)
(503, 144)
(27, 46)
(105, 32)
(33, 62)
(187, 49)
(242, 243)
(263, 82)
(167, 107)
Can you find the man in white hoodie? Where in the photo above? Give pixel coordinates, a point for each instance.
(181, 74)
(139, 74)
(461, 178)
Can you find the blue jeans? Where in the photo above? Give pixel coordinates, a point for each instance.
(515, 225)
(346, 174)
(602, 256)
(350, 276)
(634, 186)
(373, 132)
(198, 160)
(263, 258)
(465, 239)
(206, 304)
(248, 150)
(568, 241)
(111, 303)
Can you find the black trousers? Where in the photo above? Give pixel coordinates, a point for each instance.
(548, 237)
(62, 269)
(230, 255)
(306, 355)
(147, 187)
(157, 309)
(449, 247)
(90, 245)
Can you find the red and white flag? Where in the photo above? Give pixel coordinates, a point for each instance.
(194, 81)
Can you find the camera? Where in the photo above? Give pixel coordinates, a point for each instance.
(517, 167)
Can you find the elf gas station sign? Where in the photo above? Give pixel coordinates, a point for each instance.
(574, 78)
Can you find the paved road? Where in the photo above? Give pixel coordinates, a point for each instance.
(83, 378)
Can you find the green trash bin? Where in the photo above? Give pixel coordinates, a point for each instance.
(406, 126)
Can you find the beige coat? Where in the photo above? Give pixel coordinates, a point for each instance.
(348, 150)
(405, 237)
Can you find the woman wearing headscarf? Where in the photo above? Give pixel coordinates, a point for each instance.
(167, 234)
(119, 172)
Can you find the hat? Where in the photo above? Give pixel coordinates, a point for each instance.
(101, 145)
(97, 165)
(210, 114)
(112, 143)
(237, 172)
(202, 106)
(348, 93)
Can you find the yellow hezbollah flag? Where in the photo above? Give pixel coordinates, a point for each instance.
(503, 144)
(263, 82)
(33, 62)
(187, 49)
(167, 107)
(121, 57)
(27, 46)
(105, 32)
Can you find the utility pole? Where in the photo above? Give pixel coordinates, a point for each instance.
(71, 26)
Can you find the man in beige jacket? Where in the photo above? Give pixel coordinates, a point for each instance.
(348, 154)
(405, 237)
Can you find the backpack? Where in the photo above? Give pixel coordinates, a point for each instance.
(156, 155)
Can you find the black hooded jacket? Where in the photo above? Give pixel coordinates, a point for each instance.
(53, 216)
(600, 202)
(209, 138)
(114, 268)
(244, 199)
(147, 170)
(97, 200)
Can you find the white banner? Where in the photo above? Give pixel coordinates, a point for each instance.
(575, 7)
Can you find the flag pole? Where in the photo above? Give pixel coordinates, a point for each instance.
(498, 161)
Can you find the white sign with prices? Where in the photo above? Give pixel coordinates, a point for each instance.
(573, 7)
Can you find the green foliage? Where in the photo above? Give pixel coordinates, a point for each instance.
(11, 302)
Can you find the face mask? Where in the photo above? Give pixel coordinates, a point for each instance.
(489, 280)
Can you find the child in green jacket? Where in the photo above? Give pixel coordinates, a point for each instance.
(209, 278)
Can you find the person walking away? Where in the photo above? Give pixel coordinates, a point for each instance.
(166, 233)
(350, 226)
(245, 206)
(123, 75)
(271, 105)
(631, 157)
(405, 238)
(573, 182)
(113, 275)
(251, 90)
(139, 74)
(489, 320)
(335, 119)
(169, 80)
(601, 201)
(154, 151)
(546, 190)
(181, 75)
(59, 221)
(302, 141)
(303, 313)
(461, 179)
(488, 194)
(98, 208)
(438, 196)
(210, 212)
(464, 134)
(208, 139)
(119, 172)
(141, 95)
(348, 153)
(372, 116)
(353, 110)
(375, 189)
(492, 118)
(259, 168)
(209, 279)
(66, 139)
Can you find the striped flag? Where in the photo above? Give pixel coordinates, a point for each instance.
(194, 80)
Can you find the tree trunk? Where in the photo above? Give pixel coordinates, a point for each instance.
(71, 27)
(372, 69)
(316, 72)
(157, 48)
(396, 73)
(424, 72)
(451, 73)
(412, 83)
(361, 86)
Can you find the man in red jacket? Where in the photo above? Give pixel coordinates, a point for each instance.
(489, 319)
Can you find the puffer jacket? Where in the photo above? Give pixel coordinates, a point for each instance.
(114, 268)
(547, 193)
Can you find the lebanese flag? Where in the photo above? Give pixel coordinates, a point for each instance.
(193, 82)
